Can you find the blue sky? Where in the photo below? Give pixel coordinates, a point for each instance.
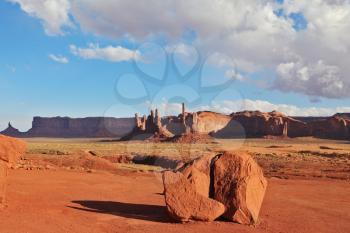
(84, 68)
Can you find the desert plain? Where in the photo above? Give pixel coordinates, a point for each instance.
(102, 185)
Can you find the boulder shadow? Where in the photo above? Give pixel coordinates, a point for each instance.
(154, 213)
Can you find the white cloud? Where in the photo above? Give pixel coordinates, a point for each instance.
(180, 49)
(246, 30)
(59, 58)
(233, 74)
(54, 14)
(165, 107)
(109, 53)
(312, 79)
(229, 106)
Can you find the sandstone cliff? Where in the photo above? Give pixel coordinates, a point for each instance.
(75, 127)
(333, 128)
(258, 124)
(247, 124)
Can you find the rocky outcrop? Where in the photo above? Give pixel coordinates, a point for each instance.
(208, 122)
(332, 128)
(12, 132)
(184, 203)
(197, 173)
(65, 127)
(259, 124)
(345, 116)
(309, 118)
(148, 127)
(232, 179)
(297, 128)
(3, 175)
(80, 127)
(255, 124)
(247, 124)
(10, 150)
(239, 184)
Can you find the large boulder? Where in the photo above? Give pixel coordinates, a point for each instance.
(234, 180)
(197, 173)
(10, 150)
(3, 174)
(184, 203)
(240, 185)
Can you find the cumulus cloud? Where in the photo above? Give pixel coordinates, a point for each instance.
(108, 53)
(165, 107)
(59, 58)
(233, 74)
(229, 106)
(54, 14)
(180, 49)
(249, 31)
(312, 79)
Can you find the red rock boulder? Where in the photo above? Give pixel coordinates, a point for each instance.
(231, 185)
(239, 184)
(10, 150)
(184, 203)
(3, 175)
(197, 173)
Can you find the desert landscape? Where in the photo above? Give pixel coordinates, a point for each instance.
(174, 116)
(90, 185)
(198, 171)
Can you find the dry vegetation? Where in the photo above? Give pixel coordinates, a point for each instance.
(283, 158)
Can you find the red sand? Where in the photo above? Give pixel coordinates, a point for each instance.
(68, 201)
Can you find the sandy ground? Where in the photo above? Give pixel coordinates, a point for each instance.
(74, 201)
(67, 185)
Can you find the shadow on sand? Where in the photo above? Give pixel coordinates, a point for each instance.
(154, 213)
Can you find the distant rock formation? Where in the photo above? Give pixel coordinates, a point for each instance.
(149, 127)
(254, 124)
(335, 127)
(246, 124)
(12, 132)
(309, 118)
(237, 125)
(345, 116)
(65, 127)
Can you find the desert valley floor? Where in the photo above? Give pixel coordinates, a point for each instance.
(76, 185)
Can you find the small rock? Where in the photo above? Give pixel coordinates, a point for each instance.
(49, 167)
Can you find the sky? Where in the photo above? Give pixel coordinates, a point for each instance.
(83, 58)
